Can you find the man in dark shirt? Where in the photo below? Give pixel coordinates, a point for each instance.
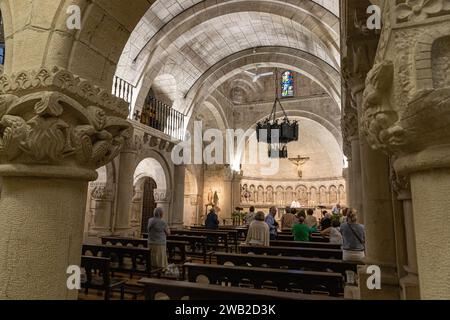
(326, 221)
(212, 220)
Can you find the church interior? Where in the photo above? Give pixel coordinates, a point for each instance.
(127, 128)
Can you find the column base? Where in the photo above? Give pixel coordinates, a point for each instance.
(389, 284)
(410, 287)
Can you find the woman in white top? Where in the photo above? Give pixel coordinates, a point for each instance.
(258, 233)
(334, 232)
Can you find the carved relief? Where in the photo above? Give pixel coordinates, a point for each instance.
(51, 127)
(419, 10)
(161, 195)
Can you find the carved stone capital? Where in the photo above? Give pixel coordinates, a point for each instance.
(54, 124)
(406, 108)
(162, 196)
(100, 191)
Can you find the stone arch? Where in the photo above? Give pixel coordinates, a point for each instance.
(280, 57)
(315, 17)
(423, 56)
(333, 195)
(342, 194)
(192, 197)
(279, 196)
(250, 134)
(313, 196)
(323, 195)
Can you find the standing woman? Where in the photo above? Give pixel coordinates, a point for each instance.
(158, 230)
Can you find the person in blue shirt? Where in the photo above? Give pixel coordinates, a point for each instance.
(273, 225)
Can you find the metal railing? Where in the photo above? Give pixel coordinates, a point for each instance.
(123, 89)
(162, 117)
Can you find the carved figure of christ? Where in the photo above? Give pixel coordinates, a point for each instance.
(299, 162)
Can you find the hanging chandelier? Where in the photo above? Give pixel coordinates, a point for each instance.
(277, 134)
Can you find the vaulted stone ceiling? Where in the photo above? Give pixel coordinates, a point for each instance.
(186, 40)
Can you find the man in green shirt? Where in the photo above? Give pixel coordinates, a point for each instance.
(301, 231)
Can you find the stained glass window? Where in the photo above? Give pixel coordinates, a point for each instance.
(287, 84)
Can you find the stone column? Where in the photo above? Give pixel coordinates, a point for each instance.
(236, 190)
(409, 283)
(406, 113)
(162, 199)
(102, 197)
(378, 218)
(127, 166)
(357, 188)
(177, 212)
(136, 211)
(55, 130)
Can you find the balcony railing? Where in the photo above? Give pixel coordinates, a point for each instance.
(162, 117)
(123, 89)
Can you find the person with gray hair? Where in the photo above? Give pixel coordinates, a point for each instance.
(258, 233)
(158, 230)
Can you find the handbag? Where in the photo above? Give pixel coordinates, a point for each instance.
(356, 235)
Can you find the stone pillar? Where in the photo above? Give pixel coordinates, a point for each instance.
(162, 199)
(102, 197)
(406, 113)
(357, 187)
(378, 218)
(176, 215)
(55, 130)
(136, 211)
(236, 190)
(409, 283)
(127, 166)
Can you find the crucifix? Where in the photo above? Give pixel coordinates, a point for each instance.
(299, 162)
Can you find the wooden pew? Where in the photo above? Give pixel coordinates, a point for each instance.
(233, 234)
(197, 245)
(290, 237)
(177, 290)
(296, 263)
(305, 281)
(294, 252)
(140, 258)
(176, 249)
(215, 239)
(241, 231)
(98, 276)
(279, 243)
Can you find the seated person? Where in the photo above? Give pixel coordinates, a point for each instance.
(301, 231)
(325, 223)
(258, 232)
(310, 220)
(333, 232)
(288, 220)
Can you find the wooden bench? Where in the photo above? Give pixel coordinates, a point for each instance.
(98, 276)
(215, 239)
(290, 237)
(197, 245)
(241, 232)
(177, 290)
(233, 235)
(176, 249)
(302, 244)
(294, 252)
(283, 280)
(296, 263)
(140, 258)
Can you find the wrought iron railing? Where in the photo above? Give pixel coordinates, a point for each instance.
(162, 117)
(123, 89)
